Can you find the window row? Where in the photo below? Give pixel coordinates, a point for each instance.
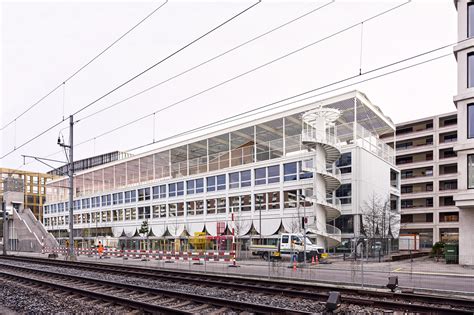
(264, 175)
(242, 203)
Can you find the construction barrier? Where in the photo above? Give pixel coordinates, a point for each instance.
(197, 257)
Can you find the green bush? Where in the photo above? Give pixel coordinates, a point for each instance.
(437, 250)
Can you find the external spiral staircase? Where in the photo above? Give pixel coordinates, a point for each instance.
(319, 138)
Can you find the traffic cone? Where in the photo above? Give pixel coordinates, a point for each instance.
(294, 265)
(312, 260)
(317, 259)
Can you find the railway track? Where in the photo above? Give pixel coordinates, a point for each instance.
(407, 302)
(133, 297)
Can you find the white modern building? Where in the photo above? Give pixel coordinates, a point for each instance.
(429, 178)
(256, 177)
(464, 101)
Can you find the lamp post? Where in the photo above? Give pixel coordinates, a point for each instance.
(260, 217)
(304, 227)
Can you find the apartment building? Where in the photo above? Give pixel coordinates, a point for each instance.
(429, 178)
(464, 101)
(255, 177)
(33, 184)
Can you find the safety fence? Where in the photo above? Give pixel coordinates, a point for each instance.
(147, 254)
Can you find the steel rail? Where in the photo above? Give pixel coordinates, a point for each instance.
(288, 288)
(202, 299)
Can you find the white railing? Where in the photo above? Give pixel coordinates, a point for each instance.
(308, 166)
(319, 136)
(331, 229)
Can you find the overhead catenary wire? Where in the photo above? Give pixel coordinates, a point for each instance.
(345, 29)
(164, 59)
(266, 107)
(210, 59)
(246, 72)
(134, 77)
(83, 67)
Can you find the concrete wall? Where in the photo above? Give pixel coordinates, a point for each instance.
(465, 197)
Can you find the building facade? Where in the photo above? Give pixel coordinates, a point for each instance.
(464, 101)
(429, 178)
(253, 178)
(33, 186)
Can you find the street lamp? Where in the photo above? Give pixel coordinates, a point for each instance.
(304, 226)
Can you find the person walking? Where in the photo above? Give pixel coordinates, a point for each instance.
(100, 250)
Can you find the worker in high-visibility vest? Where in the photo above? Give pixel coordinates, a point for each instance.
(100, 250)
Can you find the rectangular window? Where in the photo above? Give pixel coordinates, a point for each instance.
(190, 189)
(234, 204)
(470, 171)
(221, 205)
(156, 211)
(246, 203)
(470, 121)
(162, 191)
(211, 206)
(199, 185)
(199, 207)
(234, 180)
(470, 20)
(290, 171)
(191, 208)
(221, 182)
(245, 179)
(290, 199)
(172, 209)
(130, 196)
(180, 209)
(273, 174)
(143, 213)
(344, 193)
(260, 176)
(344, 163)
(117, 198)
(303, 174)
(211, 183)
(273, 200)
(470, 70)
(156, 192)
(260, 202)
(172, 190)
(95, 202)
(180, 189)
(86, 203)
(144, 194)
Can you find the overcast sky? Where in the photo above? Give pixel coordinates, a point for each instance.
(43, 43)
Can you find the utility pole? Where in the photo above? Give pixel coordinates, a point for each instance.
(71, 254)
(5, 228)
(304, 227)
(260, 217)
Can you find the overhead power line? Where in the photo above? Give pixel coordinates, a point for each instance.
(209, 60)
(251, 70)
(262, 66)
(134, 77)
(164, 59)
(266, 107)
(84, 66)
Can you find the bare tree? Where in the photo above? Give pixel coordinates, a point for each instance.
(239, 225)
(380, 222)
